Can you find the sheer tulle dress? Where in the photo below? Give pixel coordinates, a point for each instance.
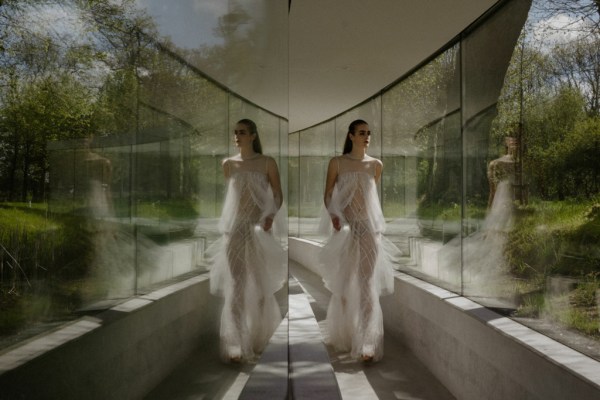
(356, 262)
(249, 263)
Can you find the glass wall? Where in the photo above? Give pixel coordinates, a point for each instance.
(111, 142)
(490, 183)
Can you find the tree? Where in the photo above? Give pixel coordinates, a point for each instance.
(57, 108)
(577, 64)
(51, 80)
(586, 11)
(549, 125)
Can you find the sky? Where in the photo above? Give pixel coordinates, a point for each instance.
(190, 24)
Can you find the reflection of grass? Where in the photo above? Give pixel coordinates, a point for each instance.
(576, 309)
(450, 212)
(19, 219)
(568, 312)
(561, 238)
(39, 251)
(166, 209)
(554, 237)
(394, 210)
(439, 211)
(583, 320)
(532, 305)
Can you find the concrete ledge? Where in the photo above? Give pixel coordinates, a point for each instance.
(305, 252)
(119, 354)
(475, 352)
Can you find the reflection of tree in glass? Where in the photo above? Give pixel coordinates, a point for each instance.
(59, 61)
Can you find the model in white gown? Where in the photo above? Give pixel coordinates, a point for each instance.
(250, 265)
(355, 265)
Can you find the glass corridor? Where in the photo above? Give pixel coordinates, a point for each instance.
(111, 138)
(488, 186)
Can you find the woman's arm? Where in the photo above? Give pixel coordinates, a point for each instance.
(378, 170)
(332, 173)
(275, 182)
(226, 168)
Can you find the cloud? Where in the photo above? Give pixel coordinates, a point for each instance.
(559, 29)
(189, 23)
(56, 20)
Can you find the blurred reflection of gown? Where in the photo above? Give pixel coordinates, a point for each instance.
(113, 251)
(356, 262)
(249, 266)
(485, 267)
(501, 173)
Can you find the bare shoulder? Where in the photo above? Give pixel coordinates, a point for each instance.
(375, 161)
(335, 160)
(270, 161)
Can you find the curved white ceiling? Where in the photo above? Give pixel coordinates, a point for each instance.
(344, 51)
(322, 58)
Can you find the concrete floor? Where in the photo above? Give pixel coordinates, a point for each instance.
(398, 376)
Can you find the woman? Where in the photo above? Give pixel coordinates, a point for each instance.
(250, 267)
(355, 266)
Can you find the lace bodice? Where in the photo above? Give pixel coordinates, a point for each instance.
(355, 196)
(249, 195)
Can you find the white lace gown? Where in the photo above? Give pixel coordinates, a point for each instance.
(356, 265)
(250, 264)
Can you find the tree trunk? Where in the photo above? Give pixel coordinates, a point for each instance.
(13, 169)
(26, 164)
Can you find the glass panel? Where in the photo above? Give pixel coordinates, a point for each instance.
(317, 146)
(293, 182)
(111, 142)
(489, 174)
(283, 163)
(421, 180)
(532, 188)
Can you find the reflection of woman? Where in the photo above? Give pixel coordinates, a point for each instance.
(249, 269)
(501, 171)
(355, 266)
(98, 174)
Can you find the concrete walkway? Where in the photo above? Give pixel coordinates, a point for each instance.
(399, 375)
(297, 364)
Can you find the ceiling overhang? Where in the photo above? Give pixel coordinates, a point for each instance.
(342, 52)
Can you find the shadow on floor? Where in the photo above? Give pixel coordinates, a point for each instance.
(203, 376)
(399, 375)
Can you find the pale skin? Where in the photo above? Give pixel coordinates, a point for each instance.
(243, 139)
(360, 143)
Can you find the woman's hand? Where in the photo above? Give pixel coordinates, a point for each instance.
(268, 223)
(335, 220)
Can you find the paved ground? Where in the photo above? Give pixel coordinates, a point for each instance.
(398, 376)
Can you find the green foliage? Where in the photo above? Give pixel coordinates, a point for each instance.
(554, 237)
(531, 305)
(43, 257)
(167, 210)
(38, 246)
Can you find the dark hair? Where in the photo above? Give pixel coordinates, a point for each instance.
(351, 129)
(256, 146)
